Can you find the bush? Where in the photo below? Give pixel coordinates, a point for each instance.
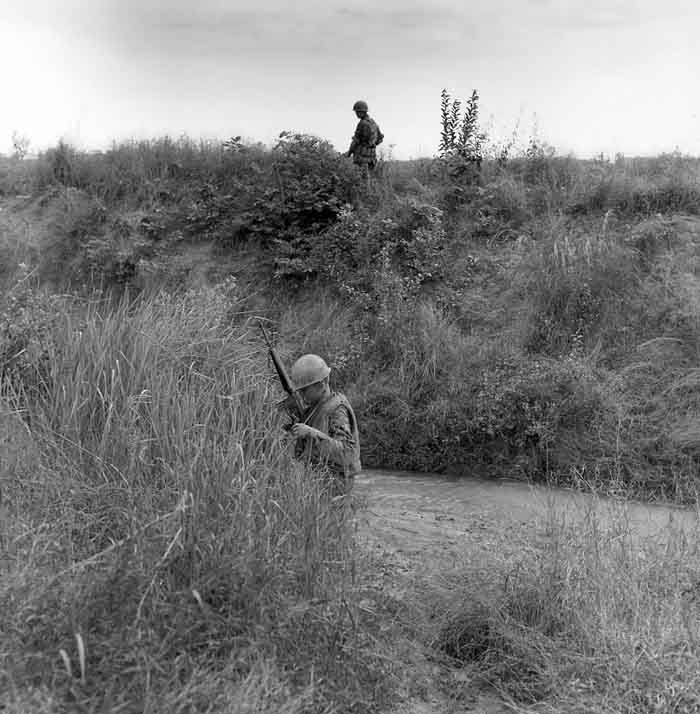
(298, 191)
(668, 183)
(537, 415)
(16, 176)
(378, 261)
(133, 173)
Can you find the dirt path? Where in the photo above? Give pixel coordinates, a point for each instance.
(423, 526)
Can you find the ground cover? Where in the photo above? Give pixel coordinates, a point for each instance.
(537, 319)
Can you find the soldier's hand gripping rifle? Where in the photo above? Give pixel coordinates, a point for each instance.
(292, 404)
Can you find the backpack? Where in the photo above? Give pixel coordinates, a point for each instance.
(380, 136)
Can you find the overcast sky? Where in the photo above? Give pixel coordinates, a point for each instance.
(600, 75)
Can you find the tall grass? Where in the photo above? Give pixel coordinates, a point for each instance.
(163, 552)
(137, 172)
(597, 618)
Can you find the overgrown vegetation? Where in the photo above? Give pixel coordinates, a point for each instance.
(160, 551)
(495, 310)
(491, 317)
(596, 619)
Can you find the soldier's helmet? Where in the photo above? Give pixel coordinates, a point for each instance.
(360, 106)
(308, 370)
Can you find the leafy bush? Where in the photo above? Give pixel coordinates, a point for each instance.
(379, 260)
(297, 192)
(460, 137)
(538, 415)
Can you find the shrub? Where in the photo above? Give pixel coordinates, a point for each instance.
(298, 192)
(540, 416)
(74, 219)
(379, 261)
(669, 183)
(461, 141)
(135, 173)
(16, 176)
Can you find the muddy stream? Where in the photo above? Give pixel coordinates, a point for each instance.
(431, 519)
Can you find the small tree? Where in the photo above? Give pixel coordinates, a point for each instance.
(460, 135)
(20, 144)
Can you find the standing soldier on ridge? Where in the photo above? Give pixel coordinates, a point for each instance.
(327, 434)
(368, 136)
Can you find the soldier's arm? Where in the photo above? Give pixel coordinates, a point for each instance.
(355, 140)
(338, 445)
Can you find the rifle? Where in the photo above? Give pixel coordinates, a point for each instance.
(292, 404)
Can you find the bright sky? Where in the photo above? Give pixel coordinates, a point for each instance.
(600, 75)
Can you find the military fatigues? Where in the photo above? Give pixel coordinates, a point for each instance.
(339, 450)
(363, 147)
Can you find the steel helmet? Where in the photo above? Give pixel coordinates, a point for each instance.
(309, 369)
(360, 106)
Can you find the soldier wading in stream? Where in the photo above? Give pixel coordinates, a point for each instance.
(327, 434)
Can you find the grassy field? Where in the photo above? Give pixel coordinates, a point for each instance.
(161, 552)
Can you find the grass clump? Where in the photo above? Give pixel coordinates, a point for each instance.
(594, 620)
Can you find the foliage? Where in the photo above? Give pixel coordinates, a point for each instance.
(171, 538)
(132, 173)
(379, 261)
(580, 285)
(597, 618)
(28, 317)
(20, 145)
(16, 177)
(555, 258)
(539, 416)
(297, 193)
(460, 133)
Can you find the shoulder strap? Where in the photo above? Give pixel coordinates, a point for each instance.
(339, 399)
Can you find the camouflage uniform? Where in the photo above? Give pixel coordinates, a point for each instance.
(339, 452)
(363, 147)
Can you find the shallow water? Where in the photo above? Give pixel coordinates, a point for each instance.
(430, 517)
